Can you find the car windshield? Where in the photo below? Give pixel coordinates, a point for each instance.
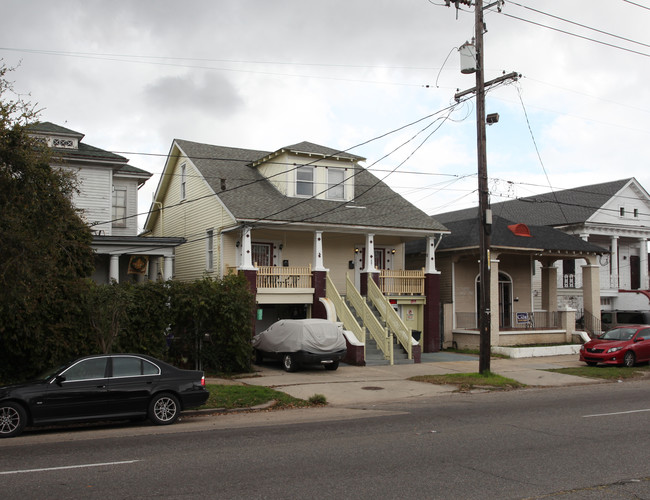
(619, 334)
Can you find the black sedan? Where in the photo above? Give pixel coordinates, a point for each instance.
(106, 386)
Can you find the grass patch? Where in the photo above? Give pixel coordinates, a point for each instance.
(318, 399)
(469, 381)
(605, 372)
(231, 397)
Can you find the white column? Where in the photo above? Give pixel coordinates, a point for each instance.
(318, 251)
(430, 264)
(114, 269)
(370, 254)
(643, 263)
(168, 269)
(613, 259)
(246, 250)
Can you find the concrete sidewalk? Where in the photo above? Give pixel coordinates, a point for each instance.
(353, 385)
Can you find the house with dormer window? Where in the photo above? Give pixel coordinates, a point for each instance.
(108, 200)
(315, 233)
(614, 216)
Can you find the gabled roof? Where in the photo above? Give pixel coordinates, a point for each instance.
(49, 128)
(310, 149)
(85, 151)
(250, 197)
(465, 235)
(559, 208)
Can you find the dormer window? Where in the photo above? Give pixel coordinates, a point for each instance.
(336, 183)
(305, 181)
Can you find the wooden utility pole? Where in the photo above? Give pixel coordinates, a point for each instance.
(485, 214)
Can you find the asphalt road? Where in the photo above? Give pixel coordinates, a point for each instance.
(583, 442)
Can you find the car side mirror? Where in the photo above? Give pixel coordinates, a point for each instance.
(59, 379)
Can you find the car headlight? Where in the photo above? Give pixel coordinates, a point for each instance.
(614, 349)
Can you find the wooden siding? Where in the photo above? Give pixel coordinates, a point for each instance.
(95, 197)
(191, 218)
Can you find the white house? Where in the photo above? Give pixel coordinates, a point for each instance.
(108, 199)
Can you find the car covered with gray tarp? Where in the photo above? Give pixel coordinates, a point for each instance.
(299, 342)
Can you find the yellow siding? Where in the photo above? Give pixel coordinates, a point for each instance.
(191, 218)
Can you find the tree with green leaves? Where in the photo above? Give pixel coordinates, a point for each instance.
(45, 252)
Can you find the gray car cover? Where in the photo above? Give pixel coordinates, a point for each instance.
(318, 336)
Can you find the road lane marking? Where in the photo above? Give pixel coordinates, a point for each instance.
(82, 466)
(614, 413)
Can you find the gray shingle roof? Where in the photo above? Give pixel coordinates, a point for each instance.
(465, 234)
(84, 151)
(251, 197)
(569, 206)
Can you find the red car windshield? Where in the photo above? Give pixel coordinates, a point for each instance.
(619, 334)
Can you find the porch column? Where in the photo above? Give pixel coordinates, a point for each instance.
(431, 322)
(369, 270)
(319, 278)
(168, 269)
(495, 312)
(643, 263)
(114, 269)
(249, 270)
(246, 251)
(613, 259)
(591, 289)
(318, 251)
(494, 300)
(549, 287)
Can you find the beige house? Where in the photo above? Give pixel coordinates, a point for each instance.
(613, 215)
(316, 234)
(517, 283)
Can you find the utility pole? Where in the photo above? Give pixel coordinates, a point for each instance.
(485, 214)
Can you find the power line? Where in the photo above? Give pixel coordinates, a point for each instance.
(576, 35)
(510, 2)
(637, 4)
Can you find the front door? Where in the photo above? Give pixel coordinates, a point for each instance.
(262, 254)
(505, 300)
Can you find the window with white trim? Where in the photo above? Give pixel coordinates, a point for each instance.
(119, 207)
(209, 250)
(183, 181)
(305, 181)
(336, 183)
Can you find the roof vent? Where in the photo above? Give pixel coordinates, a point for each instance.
(520, 230)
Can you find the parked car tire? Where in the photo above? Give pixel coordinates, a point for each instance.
(332, 366)
(629, 359)
(592, 363)
(13, 418)
(164, 409)
(259, 357)
(289, 362)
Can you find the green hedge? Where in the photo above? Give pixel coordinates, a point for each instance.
(204, 324)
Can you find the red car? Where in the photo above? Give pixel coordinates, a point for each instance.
(623, 345)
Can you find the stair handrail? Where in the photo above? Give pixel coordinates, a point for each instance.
(392, 319)
(380, 334)
(343, 313)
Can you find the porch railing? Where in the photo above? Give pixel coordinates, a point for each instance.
(380, 334)
(522, 320)
(283, 277)
(343, 313)
(405, 282)
(392, 319)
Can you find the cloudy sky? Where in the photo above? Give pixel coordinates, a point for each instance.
(375, 77)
